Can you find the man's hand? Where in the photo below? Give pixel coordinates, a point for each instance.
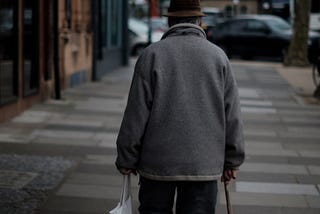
(228, 174)
(127, 171)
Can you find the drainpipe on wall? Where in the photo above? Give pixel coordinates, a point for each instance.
(56, 50)
(95, 37)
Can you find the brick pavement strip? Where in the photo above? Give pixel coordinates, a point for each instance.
(280, 176)
(271, 200)
(277, 188)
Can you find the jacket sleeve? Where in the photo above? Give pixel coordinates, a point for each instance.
(134, 121)
(234, 148)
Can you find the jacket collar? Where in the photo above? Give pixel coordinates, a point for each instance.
(185, 29)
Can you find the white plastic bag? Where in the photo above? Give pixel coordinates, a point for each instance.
(125, 204)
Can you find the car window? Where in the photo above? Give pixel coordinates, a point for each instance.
(238, 26)
(256, 26)
(138, 27)
(278, 24)
(212, 19)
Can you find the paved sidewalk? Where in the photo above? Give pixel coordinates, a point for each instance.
(300, 79)
(60, 155)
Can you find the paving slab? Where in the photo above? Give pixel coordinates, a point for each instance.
(256, 102)
(248, 93)
(263, 145)
(313, 201)
(65, 141)
(267, 159)
(301, 120)
(274, 168)
(89, 191)
(107, 140)
(260, 133)
(15, 138)
(271, 152)
(78, 205)
(293, 113)
(258, 110)
(266, 200)
(308, 179)
(242, 209)
(302, 145)
(100, 179)
(299, 211)
(78, 122)
(93, 191)
(314, 170)
(62, 134)
(277, 188)
(97, 169)
(102, 105)
(32, 117)
(267, 177)
(299, 135)
(310, 154)
(306, 129)
(100, 159)
(260, 118)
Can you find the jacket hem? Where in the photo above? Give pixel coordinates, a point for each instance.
(180, 177)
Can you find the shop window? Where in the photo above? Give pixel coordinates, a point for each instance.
(243, 9)
(228, 11)
(110, 26)
(30, 50)
(103, 23)
(114, 25)
(67, 8)
(8, 51)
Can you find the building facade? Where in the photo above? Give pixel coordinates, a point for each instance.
(110, 29)
(48, 46)
(75, 42)
(233, 7)
(23, 55)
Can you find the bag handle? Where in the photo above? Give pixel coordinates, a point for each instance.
(126, 189)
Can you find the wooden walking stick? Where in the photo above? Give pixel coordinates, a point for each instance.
(226, 191)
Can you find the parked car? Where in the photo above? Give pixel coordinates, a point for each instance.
(138, 36)
(257, 35)
(213, 16)
(158, 23)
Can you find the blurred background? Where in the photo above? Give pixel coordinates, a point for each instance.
(48, 46)
(65, 71)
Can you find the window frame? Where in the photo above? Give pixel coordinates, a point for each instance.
(15, 58)
(35, 54)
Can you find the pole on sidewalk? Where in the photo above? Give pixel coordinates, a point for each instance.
(226, 191)
(149, 23)
(56, 50)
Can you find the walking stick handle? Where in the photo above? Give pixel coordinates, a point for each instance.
(226, 191)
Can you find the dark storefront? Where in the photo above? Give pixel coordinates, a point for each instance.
(8, 51)
(109, 21)
(20, 56)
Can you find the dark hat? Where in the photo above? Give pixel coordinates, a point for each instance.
(184, 8)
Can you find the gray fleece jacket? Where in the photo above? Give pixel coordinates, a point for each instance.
(182, 120)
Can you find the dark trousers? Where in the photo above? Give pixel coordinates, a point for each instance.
(193, 197)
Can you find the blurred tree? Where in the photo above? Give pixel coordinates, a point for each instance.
(297, 54)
